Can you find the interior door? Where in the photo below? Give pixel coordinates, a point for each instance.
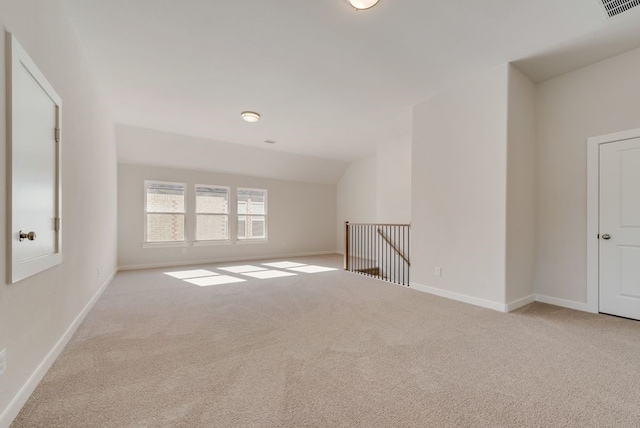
(35, 168)
(619, 270)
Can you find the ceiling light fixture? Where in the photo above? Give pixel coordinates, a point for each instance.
(250, 116)
(362, 4)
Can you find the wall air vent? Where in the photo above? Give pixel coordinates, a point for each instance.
(616, 7)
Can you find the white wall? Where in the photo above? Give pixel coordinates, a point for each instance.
(301, 218)
(139, 146)
(35, 313)
(459, 188)
(377, 189)
(599, 99)
(393, 183)
(356, 196)
(520, 250)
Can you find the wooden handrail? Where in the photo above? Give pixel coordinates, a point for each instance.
(392, 245)
(379, 224)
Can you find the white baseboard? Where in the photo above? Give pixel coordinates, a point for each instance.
(501, 307)
(12, 410)
(496, 306)
(222, 260)
(517, 304)
(570, 304)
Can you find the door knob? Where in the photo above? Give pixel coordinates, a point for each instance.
(31, 236)
(606, 236)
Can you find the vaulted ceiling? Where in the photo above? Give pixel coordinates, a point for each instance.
(328, 81)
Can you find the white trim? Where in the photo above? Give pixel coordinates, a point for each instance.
(223, 260)
(265, 215)
(593, 214)
(145, 212)
(165, 244)
(517, 304)
(212, 243)
(14, 407)
(570, 304)
(204, 242)
(496, 306)
(245, 241)
(19, 61)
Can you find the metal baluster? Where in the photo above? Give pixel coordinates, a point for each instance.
(377, 253)
(358, 250)
(395, 255)
(386, 248)
(409, 255)
(404, 251)
(367, 251)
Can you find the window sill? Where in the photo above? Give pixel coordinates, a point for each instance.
(211, 243)
(164, 244)
(252, 241)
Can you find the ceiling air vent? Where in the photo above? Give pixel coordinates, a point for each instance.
(616, 7)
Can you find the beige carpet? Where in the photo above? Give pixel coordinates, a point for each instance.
(333, 349)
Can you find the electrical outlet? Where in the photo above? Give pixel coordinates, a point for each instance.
(3, 361)
(438, 271)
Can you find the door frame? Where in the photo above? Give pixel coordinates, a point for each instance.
(18, 61)
(593, 211)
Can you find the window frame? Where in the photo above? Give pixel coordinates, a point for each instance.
(265, 215)
(206, 242)
(145, 213)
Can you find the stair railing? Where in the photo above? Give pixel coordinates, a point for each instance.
(378, 250)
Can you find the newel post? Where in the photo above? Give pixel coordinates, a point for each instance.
(346, 245)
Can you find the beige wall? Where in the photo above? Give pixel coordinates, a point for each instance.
(35, 313)
(599, 99)
(459, 188)
(377, 189)
(520, 250)
(356, 196)
(301, 218)
(393, 184)
(139, 146)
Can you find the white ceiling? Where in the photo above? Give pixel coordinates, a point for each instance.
(329, 81)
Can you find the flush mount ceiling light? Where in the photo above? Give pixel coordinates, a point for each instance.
(250, 116)
(362, 4)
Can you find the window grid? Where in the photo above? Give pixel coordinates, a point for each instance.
(252, 214)
(165, 212)
(212, 213)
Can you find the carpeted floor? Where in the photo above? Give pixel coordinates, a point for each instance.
(332, 349)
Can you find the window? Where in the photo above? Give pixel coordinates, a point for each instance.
(164, 212)
(212, 213)
(252, 214)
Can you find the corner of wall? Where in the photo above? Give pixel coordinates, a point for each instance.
(520, 188)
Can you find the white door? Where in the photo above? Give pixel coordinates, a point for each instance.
(619, 230)
(35, 174)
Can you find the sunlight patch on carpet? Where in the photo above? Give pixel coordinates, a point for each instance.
(214, 280)
(283, 265)
(269, 274)
(194, 273)
(242, 269)
(312, 269)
